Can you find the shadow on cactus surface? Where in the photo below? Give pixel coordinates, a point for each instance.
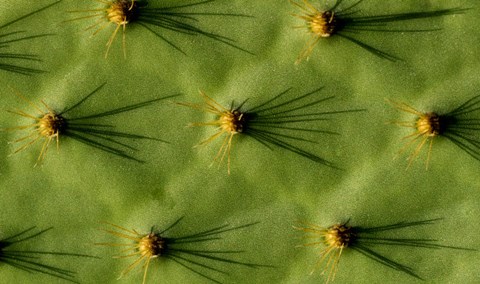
(461, 126)
(50, 125)
(281, 121)
(17, 62)
(80, 186)
(159, 18)
(31, 260)
(340, 237)
(344, 19)
(158, 244)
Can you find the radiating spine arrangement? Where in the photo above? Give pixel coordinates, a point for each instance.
(31, 261)
(278, 122)
(162, 21)
(347, 22)
(460, 126)
(15, 62)
(50, 125)
(161, 244)
(339, 237)
(288, 122)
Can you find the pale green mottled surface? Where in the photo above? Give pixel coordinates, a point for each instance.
(77, 187)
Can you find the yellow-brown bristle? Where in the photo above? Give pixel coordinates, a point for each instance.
(232, 121)
(322, 24)
(51, 125)
(339, 236)
(120, 11)
(429, 124)
(151, 245)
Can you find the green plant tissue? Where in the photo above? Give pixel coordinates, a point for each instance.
(78, 187)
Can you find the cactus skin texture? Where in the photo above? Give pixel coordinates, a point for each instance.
(77, 187)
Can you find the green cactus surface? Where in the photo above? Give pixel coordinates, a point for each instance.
(138, 163)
